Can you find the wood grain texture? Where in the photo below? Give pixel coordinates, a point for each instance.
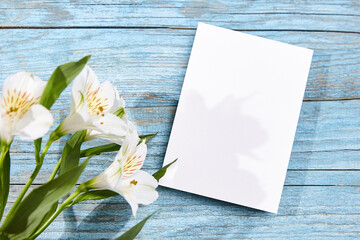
(306, 212)
(327, 138)
(143, 48)
(157, 58)
(337, 15)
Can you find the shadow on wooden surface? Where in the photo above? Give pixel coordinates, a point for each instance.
(313, 116)
(104, 220)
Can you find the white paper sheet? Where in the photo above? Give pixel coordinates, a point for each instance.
(236, 118)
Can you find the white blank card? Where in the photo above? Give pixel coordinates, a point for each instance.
(236, 119)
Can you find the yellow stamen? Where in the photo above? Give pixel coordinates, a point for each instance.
(17, 103)
(95, 101)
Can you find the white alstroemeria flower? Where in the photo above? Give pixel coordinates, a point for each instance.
(125, 177)
(94, 107)
(115, 134)
(20, 113)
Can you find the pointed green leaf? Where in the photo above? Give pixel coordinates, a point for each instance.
(94, 195)
(148, 137)
(60, 79)
(71, 153)
(134, 231)
(39, 202)
(111, 147)
(159, 174)
(4, 177)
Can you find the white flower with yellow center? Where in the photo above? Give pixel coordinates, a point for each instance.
(94, 107)
(20, 113)
(125, 177)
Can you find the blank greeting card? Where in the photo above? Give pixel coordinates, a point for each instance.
(236, 119)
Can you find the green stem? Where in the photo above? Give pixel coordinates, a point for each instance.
(31, 179)
(5, 177)
(53, 174)
(63, 206)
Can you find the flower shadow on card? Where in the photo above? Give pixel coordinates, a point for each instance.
(105, 221)
(227, 158)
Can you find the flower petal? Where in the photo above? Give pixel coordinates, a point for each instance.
(108, 93)
(145, 183)
(24, 82)
(132, 202)
(139, 189)
(5, 129)
(116, 101)
(127, 148)
(38, 86)
(85, 81)
(109, 179)
(112, 125)
(95, 134)
(35, 123)
(78, 119)
(134, 161)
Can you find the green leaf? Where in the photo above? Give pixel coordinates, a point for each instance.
(46, 217)
(134, 231)
(4, 177)
(3, 236)
(159, 174)
(71, 153)
(60, 79)
(69, 160)
(148, 137)
(111, 147)
(94, 195)
(39, 202)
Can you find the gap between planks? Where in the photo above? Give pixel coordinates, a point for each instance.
(175, 28)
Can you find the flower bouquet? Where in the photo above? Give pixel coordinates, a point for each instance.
(96, 112)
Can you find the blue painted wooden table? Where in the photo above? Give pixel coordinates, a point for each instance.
(143, 47)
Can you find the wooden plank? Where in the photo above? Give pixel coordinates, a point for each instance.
(341, 173)
(157, 58)
(330, 168)
(339, 15)
(327, 138)
(306, 212)
(317, 146)
(294, 177)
